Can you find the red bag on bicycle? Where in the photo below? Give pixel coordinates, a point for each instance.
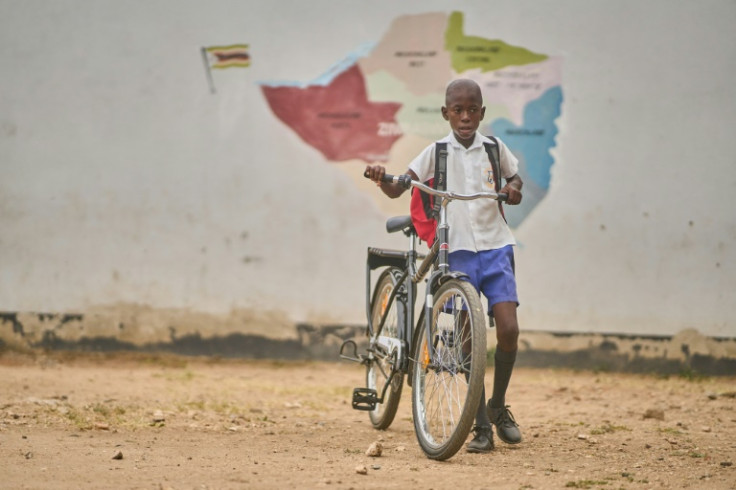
(422, 213)
(424, 208)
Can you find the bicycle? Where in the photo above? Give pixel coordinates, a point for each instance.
(443, 354)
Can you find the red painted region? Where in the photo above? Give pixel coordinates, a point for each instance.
(338, 119)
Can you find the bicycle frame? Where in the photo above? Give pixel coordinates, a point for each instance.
(410, 275)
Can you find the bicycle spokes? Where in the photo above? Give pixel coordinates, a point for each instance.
(386, 353)
(448, 377)
(451, 338)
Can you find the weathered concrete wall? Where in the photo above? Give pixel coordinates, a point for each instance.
(125, 182)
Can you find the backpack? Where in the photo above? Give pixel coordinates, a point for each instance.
(425, 209)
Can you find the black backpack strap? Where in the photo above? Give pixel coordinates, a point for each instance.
(495, 157)
(440, 174)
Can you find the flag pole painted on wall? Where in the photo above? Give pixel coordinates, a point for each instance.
(221, 57)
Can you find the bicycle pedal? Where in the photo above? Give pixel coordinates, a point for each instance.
(365, 399)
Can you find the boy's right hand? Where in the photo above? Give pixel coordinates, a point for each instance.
(375, 173)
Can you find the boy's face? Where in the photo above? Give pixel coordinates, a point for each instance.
(464, 110)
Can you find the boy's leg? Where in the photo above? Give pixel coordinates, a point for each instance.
(507, 335)
(482, 441)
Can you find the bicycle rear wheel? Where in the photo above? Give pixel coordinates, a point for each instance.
(447, 379)
(385, 357)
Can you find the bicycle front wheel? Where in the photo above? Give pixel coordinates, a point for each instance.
(447, 379)
(384, 360)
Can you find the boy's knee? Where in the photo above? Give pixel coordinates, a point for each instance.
(508, 336)
(507, 325)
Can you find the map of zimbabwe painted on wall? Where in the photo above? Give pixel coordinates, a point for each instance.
(385, 92)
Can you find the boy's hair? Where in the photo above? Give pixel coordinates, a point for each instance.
(463, 82)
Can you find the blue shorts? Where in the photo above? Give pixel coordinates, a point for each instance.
(491, 272)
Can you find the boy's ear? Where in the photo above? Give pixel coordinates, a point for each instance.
(482, 112)
(444, 113)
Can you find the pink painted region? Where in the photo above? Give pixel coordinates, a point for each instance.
(338, 119)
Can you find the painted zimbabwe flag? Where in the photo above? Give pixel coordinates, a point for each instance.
(228, 56)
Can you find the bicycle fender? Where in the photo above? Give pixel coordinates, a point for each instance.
(437, 279)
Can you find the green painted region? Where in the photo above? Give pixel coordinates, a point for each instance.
(419, 115)
(472, 52)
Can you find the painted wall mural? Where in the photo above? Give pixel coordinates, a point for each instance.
(392, 89)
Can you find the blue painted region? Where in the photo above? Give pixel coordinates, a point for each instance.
(535, 137)
(326, 78)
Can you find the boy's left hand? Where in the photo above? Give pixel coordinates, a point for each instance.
(513, 193)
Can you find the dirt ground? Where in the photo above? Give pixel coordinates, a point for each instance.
(160, 422)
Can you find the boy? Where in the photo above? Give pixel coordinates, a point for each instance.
(481, 243)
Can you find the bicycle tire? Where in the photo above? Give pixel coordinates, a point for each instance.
(379, 367)
(446, 389)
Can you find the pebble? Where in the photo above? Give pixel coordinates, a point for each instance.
(118, 455)
(361, 469)
(374, 450)
(158, 416)
(654, 413)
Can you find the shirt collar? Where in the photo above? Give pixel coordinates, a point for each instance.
(477, 141)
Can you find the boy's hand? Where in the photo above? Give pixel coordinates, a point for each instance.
(513, 190)
(375, 173)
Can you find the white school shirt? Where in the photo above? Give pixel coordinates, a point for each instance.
(475, 225)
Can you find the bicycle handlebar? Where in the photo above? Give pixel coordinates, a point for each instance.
(405, 181)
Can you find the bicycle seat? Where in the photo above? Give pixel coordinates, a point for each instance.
(399, 223)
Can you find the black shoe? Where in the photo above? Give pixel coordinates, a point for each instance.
(506, 427)
(482, 441)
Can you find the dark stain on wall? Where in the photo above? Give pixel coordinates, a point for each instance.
(596, 352)
(602, 360)
(230, 346)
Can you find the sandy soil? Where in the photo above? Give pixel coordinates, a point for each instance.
(161, 422)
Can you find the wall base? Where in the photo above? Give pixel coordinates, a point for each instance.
(687, 353)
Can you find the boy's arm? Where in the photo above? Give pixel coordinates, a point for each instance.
(376, 173)
(513, 189)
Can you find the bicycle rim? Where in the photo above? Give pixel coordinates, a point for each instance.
(448, 377)
(381, 364)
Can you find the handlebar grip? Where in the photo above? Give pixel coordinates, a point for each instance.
(502, 196)
(403, 180)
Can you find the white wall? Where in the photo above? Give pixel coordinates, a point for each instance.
(124, 181)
